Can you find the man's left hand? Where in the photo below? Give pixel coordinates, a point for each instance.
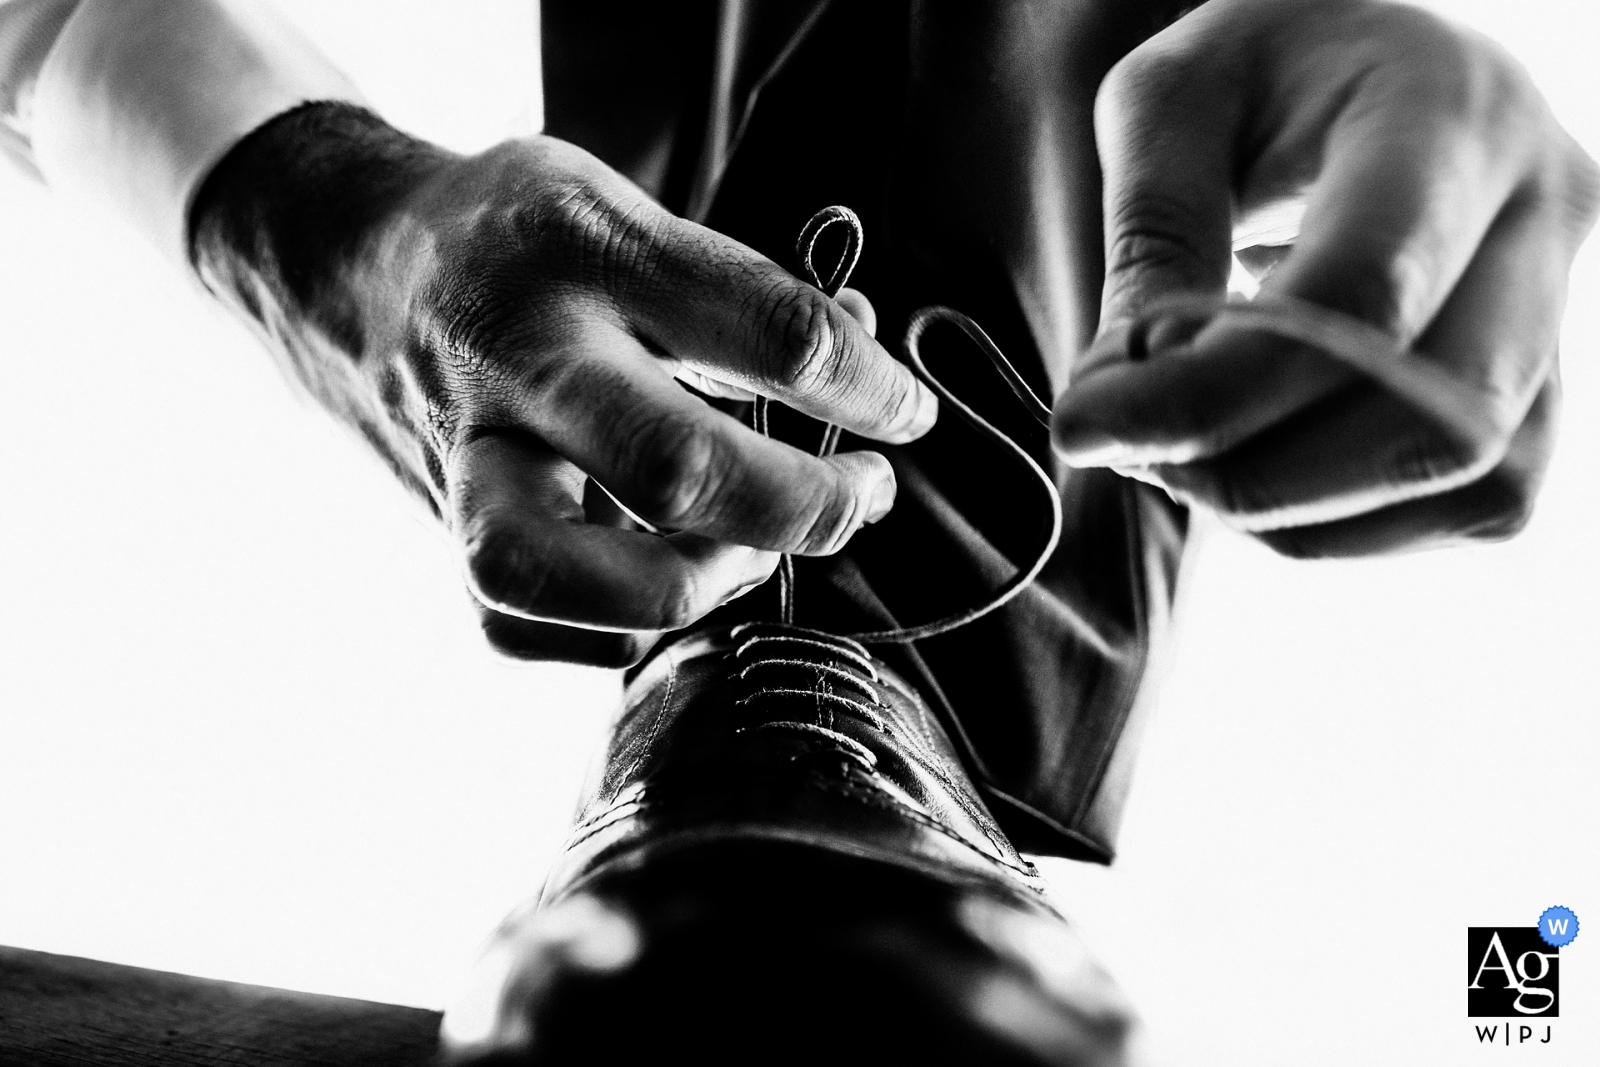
(1425, 188)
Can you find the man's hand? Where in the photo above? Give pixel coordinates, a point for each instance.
(505, 329)
(1425, 189)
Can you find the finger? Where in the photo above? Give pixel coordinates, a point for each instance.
(1260, 260)
(529, 552)
(550, 642)
(1399, 210)
(1186, 403)
(1360, 450)
(1393, 219)
(1366, 448)
(1475, 370)
(858, 307)
(608, 407)
(1493, 508)
(1164, 129)
(854, 303)
(1417, 166)
(710, 387)
(725, 311)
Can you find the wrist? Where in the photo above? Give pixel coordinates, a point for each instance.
(287, 224)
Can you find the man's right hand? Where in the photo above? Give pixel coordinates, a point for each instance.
(505, 330)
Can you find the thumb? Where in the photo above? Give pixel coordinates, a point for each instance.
(1165, 128)
(860, 308)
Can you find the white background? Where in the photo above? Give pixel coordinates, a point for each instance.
(248, 729)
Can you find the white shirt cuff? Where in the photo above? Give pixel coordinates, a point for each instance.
(139, 99)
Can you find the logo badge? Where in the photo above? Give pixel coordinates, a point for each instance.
(1558, 926)
(1513, 971)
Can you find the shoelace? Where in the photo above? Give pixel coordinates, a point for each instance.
(838, 672)
(819, 675)
(920, 322)
(799, 681)
(1467, 410)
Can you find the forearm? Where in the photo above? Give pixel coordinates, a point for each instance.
(286, 226)
(298, 231)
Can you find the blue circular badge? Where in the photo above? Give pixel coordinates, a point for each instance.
(1558, 926)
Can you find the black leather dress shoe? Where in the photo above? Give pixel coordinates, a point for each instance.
(780, 860)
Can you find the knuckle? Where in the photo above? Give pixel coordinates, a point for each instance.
(1426, 459)
(679, 604)
(676, 469)
(1508, 500)
(1150, 80)
(618, 651)
(547, 226)
(541, 642)
(459, 313)
(1291, 544)
(479, 340)
(1233, 495)
(1466, 84)
(835, 515)
(504, 636)
(1581, 189)
(1490, 84)
(504, 569)
(585, 230)
(1185, 431)
(1505, 526)
(834, 525)
(804, 339)
(1156, 233)
(601, 240)
(1387, 292)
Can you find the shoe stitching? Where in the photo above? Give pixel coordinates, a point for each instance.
(888, 802)
(613, 814)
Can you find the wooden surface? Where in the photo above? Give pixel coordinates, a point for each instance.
(57, 1011)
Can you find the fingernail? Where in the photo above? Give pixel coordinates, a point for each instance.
(882, 500)
(1165, 334)
(1140, 474)
(927, 402)
(1087, 446)
(1123, 341)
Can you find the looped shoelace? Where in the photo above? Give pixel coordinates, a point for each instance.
(1471, 411)
(806, 248)
(920, 322)
(834, 660)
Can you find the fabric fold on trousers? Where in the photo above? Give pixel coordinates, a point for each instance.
(848, 105)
